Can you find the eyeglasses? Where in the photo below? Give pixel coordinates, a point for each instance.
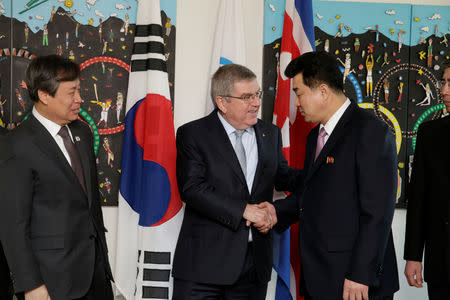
(247, 97)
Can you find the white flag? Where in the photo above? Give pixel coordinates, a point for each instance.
(229, 42)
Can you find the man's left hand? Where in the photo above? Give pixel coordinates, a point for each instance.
(355, 291)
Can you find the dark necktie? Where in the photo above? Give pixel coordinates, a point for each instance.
(73, 155)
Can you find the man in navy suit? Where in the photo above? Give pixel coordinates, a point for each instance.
(346, 201)
(227, 163)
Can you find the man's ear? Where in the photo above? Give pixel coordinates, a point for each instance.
(220, 104)
(43, 96)
(324, 90)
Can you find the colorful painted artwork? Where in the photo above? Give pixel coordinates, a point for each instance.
(390, 57)
(99, 37)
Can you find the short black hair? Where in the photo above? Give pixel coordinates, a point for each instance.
(317, 67)
(445, 65)
(46, 72)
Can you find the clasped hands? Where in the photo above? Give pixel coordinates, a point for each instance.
(263, 216)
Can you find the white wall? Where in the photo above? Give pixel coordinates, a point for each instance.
(195, 35)
(196, 21)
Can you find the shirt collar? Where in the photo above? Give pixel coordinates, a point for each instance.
(229, 128)
(332, 122)
(51, 126)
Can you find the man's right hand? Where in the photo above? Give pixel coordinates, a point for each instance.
(259, 217)
(270, 209)
(39, 293)
(413, 273)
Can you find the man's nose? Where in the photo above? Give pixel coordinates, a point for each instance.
(78, 98)
(445, 89)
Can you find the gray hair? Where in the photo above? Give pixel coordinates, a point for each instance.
(223, 80)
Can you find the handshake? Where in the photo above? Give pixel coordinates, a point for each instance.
(263, 216)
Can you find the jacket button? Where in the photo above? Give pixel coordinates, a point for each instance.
(380, 270)
(92, 236)
(302, 209)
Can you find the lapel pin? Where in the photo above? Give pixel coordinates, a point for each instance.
(330, 160)
(77, 138)
(263, 135)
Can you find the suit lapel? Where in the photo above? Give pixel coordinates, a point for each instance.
(43, 139)
(219, 135)
(83, 153)
(311, 148)
(334, 138)
(261, 139)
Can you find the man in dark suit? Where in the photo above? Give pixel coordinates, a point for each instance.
(429, 205)
(52, 226)
(227, 163)
(345, 203)
(6, 291)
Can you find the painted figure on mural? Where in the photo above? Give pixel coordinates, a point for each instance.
(27, 32)
(400, 91)
(67, 40)
(126, 24)
(20, 100)
(100, 29)
(386, 90)
(168, 26)
(369, 78)
(105, 109)
(428, 95)
(119, 106)
(2, 109)
(430, 52)
(45, 36)
(347, 65)
(110, 154)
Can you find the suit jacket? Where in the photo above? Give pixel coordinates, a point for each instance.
(49, 224)
(345, 207)
(5, 280)
(428, 202)
(213, 239)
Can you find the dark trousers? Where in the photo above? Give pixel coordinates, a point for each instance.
(247, 287)
(438, 292)
(6, 288)
(101, 285)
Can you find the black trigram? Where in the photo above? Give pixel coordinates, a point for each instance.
(161, 275)
(148, 40)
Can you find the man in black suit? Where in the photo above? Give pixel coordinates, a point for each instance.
(227, 163)
(429, 206)
(6, 291)
(52, 226)
(345, 203)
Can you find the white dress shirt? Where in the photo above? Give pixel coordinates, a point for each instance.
(251, 153)
(332, 122)
(53, 129)
(250, 148)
